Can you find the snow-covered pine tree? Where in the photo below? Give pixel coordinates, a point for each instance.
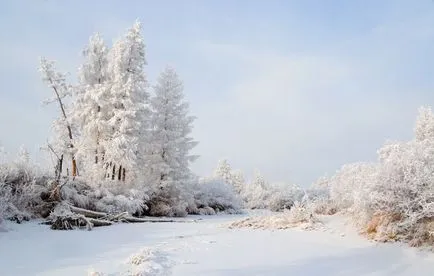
(92, 108)
(63, 143)
(129, 98)
(424, 129)
(224, 171)
(257, 193)
(170, 136)
(259, 180)
(238, 181)
(234, 178)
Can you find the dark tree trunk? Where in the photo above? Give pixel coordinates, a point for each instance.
(119, 173)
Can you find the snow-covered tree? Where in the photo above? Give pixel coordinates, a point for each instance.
(224, 171)
(425, 124)
(23, 156)
(128, 97)
(171, 127)
(92, 107)
(63, 143)
(238, 181)
(259, 180)
(232, 177)
(257, 192)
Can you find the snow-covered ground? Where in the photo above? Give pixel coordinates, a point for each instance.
(205, 247)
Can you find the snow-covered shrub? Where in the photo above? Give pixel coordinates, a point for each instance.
(213, 195)
(393, 199)
(257, 193)
(77, 193)
(129, 200)
(402, 199)
(283, 196)
(319, 199)
(352, 184)
(300, 215)
(21, 185)
(108, 197)
(169, 199)
(405, 187)
(5, 198)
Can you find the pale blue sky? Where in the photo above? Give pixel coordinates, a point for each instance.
(294, 88)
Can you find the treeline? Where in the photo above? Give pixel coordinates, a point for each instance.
(119, 143)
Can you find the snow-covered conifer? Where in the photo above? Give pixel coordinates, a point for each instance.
(224, 171)
(92, 108)
(171, 127)
(129, 98)
(425, 124)
(238, 181)
(234, 178)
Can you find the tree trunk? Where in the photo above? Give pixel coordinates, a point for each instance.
(113, 172)
(74, 167)
(119, 173)
(59, 168)
(123, 175)
(107, 166)
(62, 108)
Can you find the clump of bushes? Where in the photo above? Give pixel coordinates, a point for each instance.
(392, 199)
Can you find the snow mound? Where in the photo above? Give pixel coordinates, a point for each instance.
(297, 217)
(146, 262)
(149, 261)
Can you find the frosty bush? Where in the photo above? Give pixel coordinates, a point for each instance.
(213, 195)
(283, 196)
(300, 215)
(351, 187)
(21, 185)
(5, 198)
(107, 197)
(130, 200)
(167, 201)
(259, 194)
(405, 186)
(393, 199)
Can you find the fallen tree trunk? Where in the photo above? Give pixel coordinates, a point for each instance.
(138, 220)
(75, 217)
(100, 222)
(88, 213)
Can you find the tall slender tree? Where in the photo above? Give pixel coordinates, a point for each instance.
(129, 99)
(224, 171)
(91, 109)
(424, 129)
(171, 128)
(64, 141)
